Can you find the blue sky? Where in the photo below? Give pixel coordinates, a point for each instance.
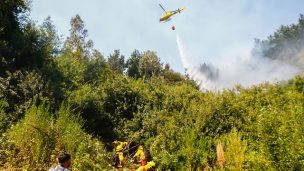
(208, 28)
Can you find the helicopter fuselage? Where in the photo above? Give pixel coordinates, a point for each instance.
(167, 15)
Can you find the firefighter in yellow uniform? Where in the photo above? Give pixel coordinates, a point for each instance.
(120, 146)
(149, 166)
(140, 154)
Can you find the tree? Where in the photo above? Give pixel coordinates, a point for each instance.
(150, 65)
(76, 43)
(26, 55)
(133, 69)
(171, 76)
(49, 37)
(117, 62)
(285, 44)
(95, 66)
(20, 46)
(77, 51)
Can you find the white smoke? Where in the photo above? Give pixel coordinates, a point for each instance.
(244, 69)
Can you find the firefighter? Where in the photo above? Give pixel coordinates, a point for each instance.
(140, 155)
(120, 147)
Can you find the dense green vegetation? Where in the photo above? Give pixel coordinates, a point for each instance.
(66, 96)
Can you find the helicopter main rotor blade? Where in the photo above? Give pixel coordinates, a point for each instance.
(162, 7)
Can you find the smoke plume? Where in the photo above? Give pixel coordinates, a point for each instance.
(245, 69)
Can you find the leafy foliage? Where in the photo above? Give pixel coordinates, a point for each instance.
(133, 69)
(150, 65)
(117, 62)
(76, 43)
(70, 98)
(40, 136)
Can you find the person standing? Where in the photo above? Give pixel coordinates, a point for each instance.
(64, 162)
(120, 147)
(140, 155)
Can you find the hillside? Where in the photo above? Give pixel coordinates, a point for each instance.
(60, 96)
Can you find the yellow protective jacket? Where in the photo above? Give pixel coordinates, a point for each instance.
(120, 145)
(140, 153)
(148, 166)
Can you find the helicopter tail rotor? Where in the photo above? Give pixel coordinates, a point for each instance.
(181, 9)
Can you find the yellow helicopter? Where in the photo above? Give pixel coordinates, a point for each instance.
(167, 16)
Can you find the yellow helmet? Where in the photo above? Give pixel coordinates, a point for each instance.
(140, 147)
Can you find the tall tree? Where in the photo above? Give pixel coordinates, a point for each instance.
(133, 64)
(286, 44)
(49, 37)
(76, 43)
(150, 64)
(19, 40)
(25, 56)
(95, 67)
(117, 62)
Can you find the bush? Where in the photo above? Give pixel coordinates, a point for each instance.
(41, 136)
